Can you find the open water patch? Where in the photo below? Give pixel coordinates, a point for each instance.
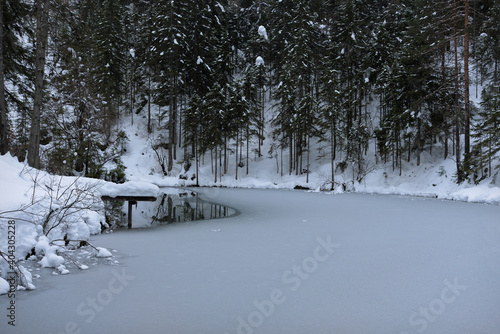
(175, 205)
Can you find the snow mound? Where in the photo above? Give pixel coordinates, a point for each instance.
(42, 245)
(62, 269)
(132, 188)
(28, 277)
(14, 188)
(479, 193)
(103, 252)
(93, 220)
(51, 259)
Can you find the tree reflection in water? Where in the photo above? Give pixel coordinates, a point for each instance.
(184, 207)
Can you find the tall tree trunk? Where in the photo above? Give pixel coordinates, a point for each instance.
(215, 163)
(236, 153)
(171, 128)
(197, 160)
(4, 144)
(457, 106)
(308, 149)
(419, 141)
(225, 154)
(466, 83)
(290, 139)
(150, 130)
(248, 145)
(332, 150)
(281, 160)
(174, 119)
(180, 109)
(42, 32)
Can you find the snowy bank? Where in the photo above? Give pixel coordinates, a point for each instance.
(48, 214)
(434, 177)
(133, 188)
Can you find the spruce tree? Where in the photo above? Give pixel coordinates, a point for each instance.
(42, 31)
(15, 57)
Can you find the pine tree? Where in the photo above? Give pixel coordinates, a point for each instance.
(487, 137)
(107, 57)
(42, 30)
(4, 144)
(170, 42)
(14, 65)
(350, 37)
(486, 134)
(77, 141)
(296, 32)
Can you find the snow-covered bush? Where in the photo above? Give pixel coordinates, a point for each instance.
(64, 206)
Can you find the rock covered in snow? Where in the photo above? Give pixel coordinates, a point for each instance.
(259, 61)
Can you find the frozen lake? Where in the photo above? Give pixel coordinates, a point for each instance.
(290, 262)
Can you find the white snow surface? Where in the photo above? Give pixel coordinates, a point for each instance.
(51, 259)
(290, 262)
(134, 188)
(434, 177)
(28, 208)
(103, 252)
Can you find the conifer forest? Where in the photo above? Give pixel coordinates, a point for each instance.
(352, 82)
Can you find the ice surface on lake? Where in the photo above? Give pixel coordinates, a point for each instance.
(4, 286)
(290, 262)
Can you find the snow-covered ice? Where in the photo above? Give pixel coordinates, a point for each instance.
(290, 262)
(4, 286)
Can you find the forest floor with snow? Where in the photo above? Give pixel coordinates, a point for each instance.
(434, 177)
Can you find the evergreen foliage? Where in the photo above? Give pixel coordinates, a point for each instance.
(346, 74)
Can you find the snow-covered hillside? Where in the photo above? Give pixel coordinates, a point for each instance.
(434, 177)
